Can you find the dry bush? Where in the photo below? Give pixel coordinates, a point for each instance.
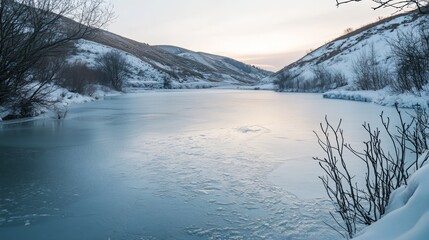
(114, 68)
(369, 73)
(325, 79)
(79, 78)
(386, 168)
(411, 52)
(285, 80)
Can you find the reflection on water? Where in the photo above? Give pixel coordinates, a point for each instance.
(172, 165)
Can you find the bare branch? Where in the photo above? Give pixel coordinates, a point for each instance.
(400, 5)
(383, 174)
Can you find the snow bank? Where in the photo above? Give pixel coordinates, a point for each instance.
(383, 97)
(361, 96)
(408, 212)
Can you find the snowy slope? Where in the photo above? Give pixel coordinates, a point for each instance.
(218, 63)
(183, 71)
(339, 55)
(141, 74)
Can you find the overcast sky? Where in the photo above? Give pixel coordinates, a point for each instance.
(267, 33)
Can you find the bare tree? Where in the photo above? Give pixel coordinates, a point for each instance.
(421, 5)
(114, 68)
(36, 31)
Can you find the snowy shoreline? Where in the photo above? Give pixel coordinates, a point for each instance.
(382, 97)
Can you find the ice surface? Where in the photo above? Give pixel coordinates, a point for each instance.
(212, 164)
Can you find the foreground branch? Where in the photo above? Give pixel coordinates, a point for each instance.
(420, 5)
(359, 203)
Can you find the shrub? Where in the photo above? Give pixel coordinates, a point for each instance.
(411, 52)
(114, 68)
(167, 83)
(325, 79)
(369, 73)
(78, 78)
(348, 30)
(285, 80)
(385, 170)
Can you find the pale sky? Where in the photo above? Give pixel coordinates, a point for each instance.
(266, 33)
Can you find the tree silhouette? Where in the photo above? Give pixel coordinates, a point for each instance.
(33, 34)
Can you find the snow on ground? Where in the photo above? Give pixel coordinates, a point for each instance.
(383, 97)
(408, 213)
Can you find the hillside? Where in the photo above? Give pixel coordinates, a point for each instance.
(151, 65)
(221, 64)
(340, 56)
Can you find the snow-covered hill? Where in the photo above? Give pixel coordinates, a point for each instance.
(225, 65)
(341, 54)
(151, 65)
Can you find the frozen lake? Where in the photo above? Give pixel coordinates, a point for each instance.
(197, 164)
